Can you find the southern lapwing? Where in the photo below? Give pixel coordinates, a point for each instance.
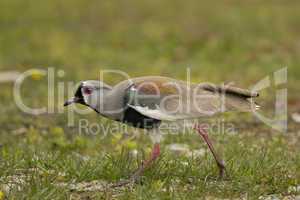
(145, 102)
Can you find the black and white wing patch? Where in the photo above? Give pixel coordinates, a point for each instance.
(148, 103)
(156, 113)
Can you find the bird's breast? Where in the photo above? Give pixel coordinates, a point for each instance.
(136, 119)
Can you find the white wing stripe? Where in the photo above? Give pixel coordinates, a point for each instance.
(154, 113)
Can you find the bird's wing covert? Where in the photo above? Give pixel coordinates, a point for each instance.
(169, 99)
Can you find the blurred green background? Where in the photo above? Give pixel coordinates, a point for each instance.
(217, 40)
(220, 41)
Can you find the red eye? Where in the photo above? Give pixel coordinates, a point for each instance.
(87, 90)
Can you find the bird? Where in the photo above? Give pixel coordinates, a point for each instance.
(145, 102)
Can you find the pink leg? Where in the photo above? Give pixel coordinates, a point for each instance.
(219, 161)
(154, 155)
(147, 163)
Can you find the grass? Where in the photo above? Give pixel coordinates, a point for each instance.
(255, 168)
(41, 157)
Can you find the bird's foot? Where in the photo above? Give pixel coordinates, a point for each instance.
(122, 183)
(134, 179)
(222, 173)
(220, 163)
(222, 169)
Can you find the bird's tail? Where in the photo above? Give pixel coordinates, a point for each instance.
(235, 98)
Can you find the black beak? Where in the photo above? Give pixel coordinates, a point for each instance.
(72, 100)
(78, 98)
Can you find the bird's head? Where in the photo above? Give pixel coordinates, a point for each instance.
(89, 93)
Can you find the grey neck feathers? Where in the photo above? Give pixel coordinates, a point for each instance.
(111, 104)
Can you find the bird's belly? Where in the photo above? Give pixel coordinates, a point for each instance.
(136, 119)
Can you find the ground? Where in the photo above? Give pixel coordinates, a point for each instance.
(43, 157)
